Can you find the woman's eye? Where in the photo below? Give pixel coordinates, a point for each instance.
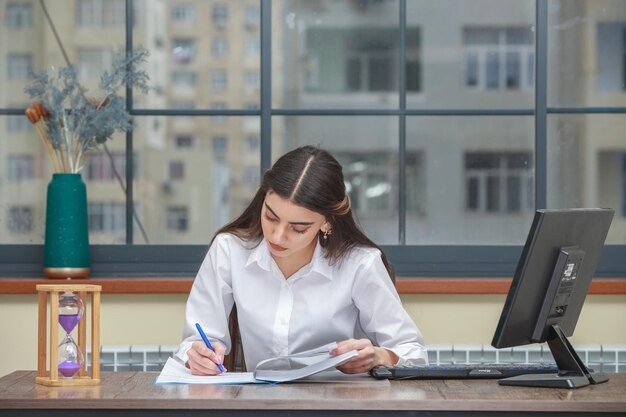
(301, 231)
(271, 219)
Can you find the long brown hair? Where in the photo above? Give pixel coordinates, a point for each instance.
(312, 178)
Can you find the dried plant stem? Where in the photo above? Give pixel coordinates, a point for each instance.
(46, 143)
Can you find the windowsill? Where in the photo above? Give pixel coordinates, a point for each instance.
(405, 285)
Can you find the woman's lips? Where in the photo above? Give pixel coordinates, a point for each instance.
(277, 247)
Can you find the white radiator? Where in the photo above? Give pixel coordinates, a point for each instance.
(601, 358)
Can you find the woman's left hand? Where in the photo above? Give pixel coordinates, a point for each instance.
(369, 356)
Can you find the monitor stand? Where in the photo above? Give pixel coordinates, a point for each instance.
(573, 373)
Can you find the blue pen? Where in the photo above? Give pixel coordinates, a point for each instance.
(208, 344)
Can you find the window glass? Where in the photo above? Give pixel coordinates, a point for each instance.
(369, 160)
(587, 50)
(322, 61)
(586, 157)
(195, 183)
(472, 181)
(478, 57)
(19, 16)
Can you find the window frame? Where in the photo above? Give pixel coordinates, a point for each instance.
(409, 260)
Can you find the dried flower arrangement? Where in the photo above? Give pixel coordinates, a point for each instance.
(69, 122)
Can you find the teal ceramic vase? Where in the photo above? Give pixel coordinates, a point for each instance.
(66, 248)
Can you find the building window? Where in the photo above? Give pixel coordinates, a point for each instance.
(176, 170)
(20, 66)
(498, 182)
(252, 176)
(183, 50)
(183, 141)
(184, 78)
(98, 167)
(220, 16)
(251, 45)
(19, 16)
(18, 123)
(252, 144)
(218, 118)
(183, 104)
(20, 167)
(177, 219)
(499, 58)
(611, 56)
(91, 62)
(219, 47)
(252, 79)
(107, 217)
(100, 13)
(368, 60)
(220, 146)
(20, 219)
(183, 13)
(219, 80)
(252, 16)
(369, 178)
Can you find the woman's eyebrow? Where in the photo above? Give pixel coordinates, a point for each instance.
(276, 215)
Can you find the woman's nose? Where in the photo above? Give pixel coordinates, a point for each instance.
(279, 234)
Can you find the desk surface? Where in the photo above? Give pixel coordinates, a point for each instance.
(128, 391)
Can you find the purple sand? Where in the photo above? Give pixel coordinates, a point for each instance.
(68, 321)
(68, 368)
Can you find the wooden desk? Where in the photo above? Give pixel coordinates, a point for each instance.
(135, 394)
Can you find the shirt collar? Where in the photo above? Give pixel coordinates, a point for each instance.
(262, 257)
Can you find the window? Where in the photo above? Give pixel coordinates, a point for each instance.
(252, 176)
(19, 16)
(220, 146)
(91, 62)
(498, 182)
(183, 141)
(611, 56)
(183, 50)
(184, 78)
(98, 167)
(252, 16)
(100, 13)
(177, 219)
(219, 106)
(20, 167)
(20, 219)
(252, 79)
(366, 57)
(251, 45)
(499, 58)
(20, 66)
(183, 13)
(220, 16)
(107, 217)
(176, 170)
(369, 178)
(219, 47)
(429, 159)
(19, 123)
(219, 79)
(252, 144)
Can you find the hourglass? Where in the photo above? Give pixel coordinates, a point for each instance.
(66, 359)
(70, 312)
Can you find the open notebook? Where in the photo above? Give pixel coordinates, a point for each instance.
(278, 369)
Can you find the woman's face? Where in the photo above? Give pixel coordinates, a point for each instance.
(288, 228)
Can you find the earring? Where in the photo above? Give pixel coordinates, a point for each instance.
(327, 233)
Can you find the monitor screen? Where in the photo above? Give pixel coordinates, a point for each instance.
(549, 288)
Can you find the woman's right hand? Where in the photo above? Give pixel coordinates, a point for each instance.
(203, 361)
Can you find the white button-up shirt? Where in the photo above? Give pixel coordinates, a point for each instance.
(319, 304)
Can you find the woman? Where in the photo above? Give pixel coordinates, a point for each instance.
(301, 274)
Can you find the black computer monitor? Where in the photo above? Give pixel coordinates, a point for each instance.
(548, 291)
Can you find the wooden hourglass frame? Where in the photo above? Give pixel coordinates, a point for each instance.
(51, 377)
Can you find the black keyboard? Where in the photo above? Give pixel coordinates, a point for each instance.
(461, 371)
